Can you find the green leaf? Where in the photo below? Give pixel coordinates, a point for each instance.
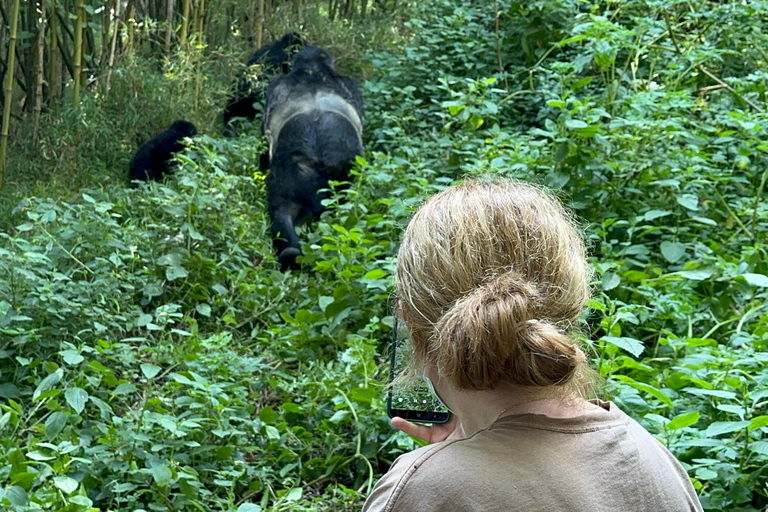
(760, 447)
(324, 301)
(162, 475)
(55, 424)
(376, 273)
(672, 251)
(631, 345)
(655, 214)
(76, 398)
(610, 281)
(575, 124)
(725, 427)
(647, 388)
(66, 484)
(204, 309)
(683, 420)
(758, 280)
(150, 370)
(248, 507)
(294, 494)
(175, 272)
(688, 201)
(48, 383)
(17, 496)
(758, 422)
(268, 415)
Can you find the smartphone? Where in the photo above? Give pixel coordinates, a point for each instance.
(413, 401)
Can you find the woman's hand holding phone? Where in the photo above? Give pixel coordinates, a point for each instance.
(434, 433)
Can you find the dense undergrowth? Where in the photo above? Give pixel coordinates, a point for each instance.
(154, 358)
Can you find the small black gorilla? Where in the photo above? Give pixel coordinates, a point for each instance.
(313, 121)
(151, 160)
(269, 60)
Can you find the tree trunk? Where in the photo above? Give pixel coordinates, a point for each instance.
(8, 90)
(78, 67)
(40, 73)
(363, 8)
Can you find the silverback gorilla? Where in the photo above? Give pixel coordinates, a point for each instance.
(151, 160)
(313, 122)
(269, 60)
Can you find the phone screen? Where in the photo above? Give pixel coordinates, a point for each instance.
(411, 400)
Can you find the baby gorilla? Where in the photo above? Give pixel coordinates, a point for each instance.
(269, 60)
(151, 160)
(313, 122)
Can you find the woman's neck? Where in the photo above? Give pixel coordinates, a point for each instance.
(477, 410)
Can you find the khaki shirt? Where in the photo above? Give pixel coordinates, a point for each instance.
(599, 462)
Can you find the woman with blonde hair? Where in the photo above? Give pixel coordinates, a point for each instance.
(491, 279)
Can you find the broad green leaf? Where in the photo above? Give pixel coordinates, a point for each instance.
(294, 494)
(47, 383)
(66, 484)
(683, 420)
(688, 201)
(758, 280)
(672, 251)
(150, 370)
(647, 388)
(696, 275)
(575, 124)
(760, 447)
(725, 427)
(268, 415)
(376, 273)
(631, 345)
(324, 301)
(76, 398)
(705, 474)
(162, 475)
(758, 422)
(610, 281)
(54, 424)
(248, 507)
(17, 496)
(175, 272)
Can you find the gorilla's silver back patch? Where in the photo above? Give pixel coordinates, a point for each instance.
(302, 103)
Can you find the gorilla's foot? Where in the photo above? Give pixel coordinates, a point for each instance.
(287, 258)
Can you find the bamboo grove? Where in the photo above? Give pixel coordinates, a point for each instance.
(52, 50)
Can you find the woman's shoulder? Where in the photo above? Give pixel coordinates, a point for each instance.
(404, 481)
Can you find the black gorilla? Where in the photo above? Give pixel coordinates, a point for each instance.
(151, 160)
(313, 121)
(269, 60)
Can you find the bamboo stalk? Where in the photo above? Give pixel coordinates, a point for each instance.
(40, 73)
(54, 81)
(169, 29)
(200, 15)
(8, 91)
(184, 23)
(112, 50)
(260, 24)
(80, 12)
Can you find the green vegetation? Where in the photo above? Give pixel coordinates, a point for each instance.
(153, 357)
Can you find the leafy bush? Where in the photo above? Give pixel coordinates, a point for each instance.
(154, 358)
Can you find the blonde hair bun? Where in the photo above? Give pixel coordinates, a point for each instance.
(493, 334)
